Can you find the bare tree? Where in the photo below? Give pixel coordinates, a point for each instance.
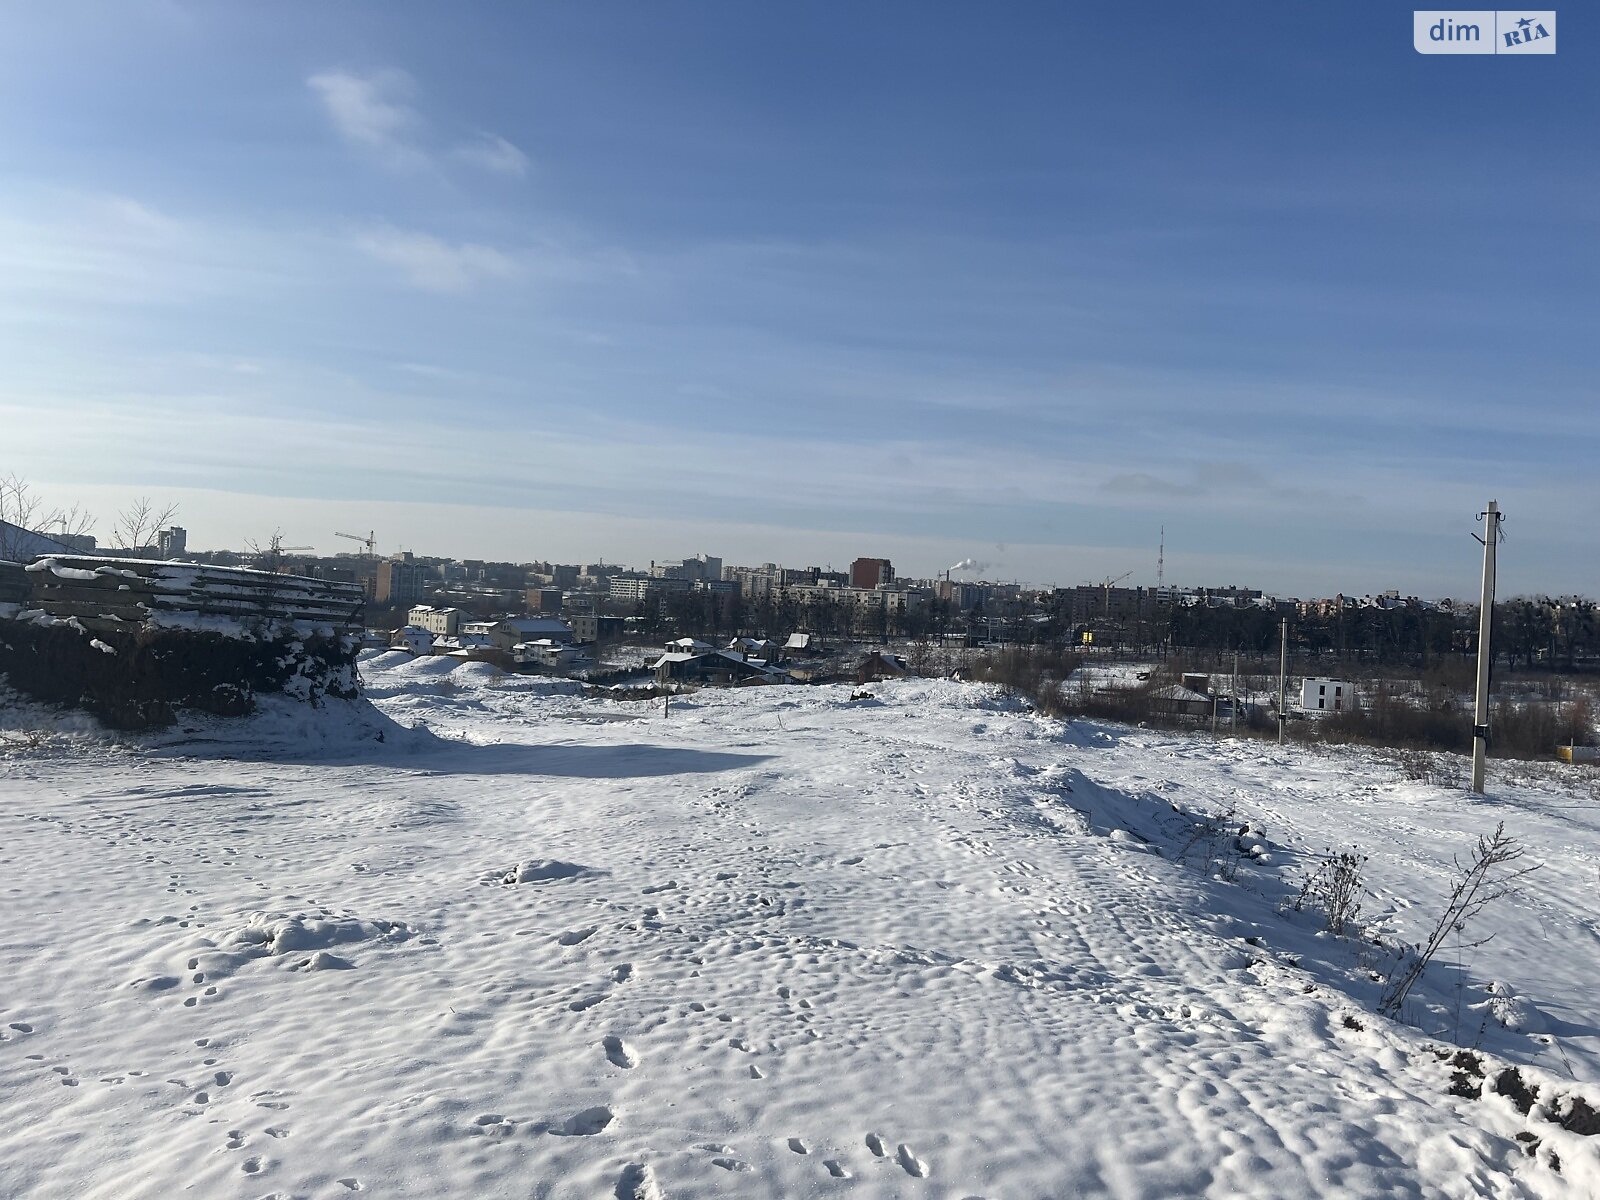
(138, 524)
(1488, 876)
(268, 558)
(23, 511)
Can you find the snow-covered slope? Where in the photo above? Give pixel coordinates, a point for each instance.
(777, 943)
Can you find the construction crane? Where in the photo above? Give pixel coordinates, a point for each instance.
(1108, 584)
(370, 541)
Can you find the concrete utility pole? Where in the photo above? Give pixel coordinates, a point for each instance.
(1480, 708)
(1283, 676)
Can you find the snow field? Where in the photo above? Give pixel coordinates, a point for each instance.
(776, 944)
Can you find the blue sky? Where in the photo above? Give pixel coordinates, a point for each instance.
(1019, 283)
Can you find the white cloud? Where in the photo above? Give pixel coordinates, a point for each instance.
(433, 264)
(493, 153)
(371, 111)
(374, 111)
(138, 218)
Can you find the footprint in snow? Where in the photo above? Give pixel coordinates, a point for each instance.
(589, 1122)
(875, 1144)
(836, 1169)
(620, 1053)
(491, 1125)
(912, 1165)
(798, 1146)
(637, 1182)
(573, 936)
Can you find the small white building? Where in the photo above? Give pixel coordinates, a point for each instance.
(1327, 695)
(689, 645)
(551, 655)
(413, 639)
(505, 633)
(465, 640)
(441, 622)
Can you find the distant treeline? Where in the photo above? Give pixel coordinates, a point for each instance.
(1535, 633)
(1529, 633)
(1432, 713)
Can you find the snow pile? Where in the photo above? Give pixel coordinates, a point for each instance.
(283, 727)
(541, 870)
(290, 933)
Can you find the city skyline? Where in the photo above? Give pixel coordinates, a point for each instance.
(1182, 571)
(802, 285)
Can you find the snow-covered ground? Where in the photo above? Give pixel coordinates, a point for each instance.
(775, 943)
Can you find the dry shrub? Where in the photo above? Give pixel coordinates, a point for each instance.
(1533, 729)
(1034, 672)
(1388, 717)
(1440, 770)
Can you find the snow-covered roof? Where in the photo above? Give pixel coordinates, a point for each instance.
(527, 625)
(1177, 691)
(465, 641)
(674, 657)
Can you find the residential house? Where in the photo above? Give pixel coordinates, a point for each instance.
(588, 628)
(759, 648)
(506, 632)
(806, 644)
(878, 665)
(548, 654)
(441, 622)
(716, 667)
(1327, 695)
(1179, 701)
(413, 639)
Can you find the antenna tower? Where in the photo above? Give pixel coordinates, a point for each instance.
(1161, 561)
